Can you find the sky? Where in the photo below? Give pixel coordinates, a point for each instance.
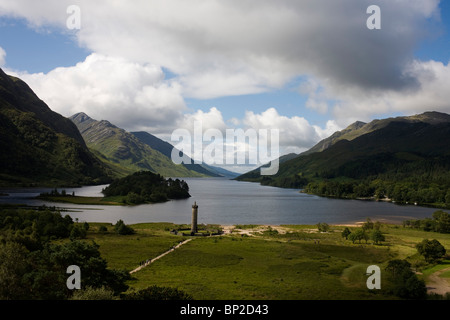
(304, 68)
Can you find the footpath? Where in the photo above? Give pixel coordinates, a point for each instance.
(150, 261)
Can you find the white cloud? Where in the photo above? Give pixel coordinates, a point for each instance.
(240, 47)
(2, 57)
(130, 95)
(296, 133)
(219, 48)
(429, 94)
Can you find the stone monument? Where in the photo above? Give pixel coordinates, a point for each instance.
(194, 228)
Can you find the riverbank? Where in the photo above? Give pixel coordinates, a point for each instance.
(387, 200)
(105, 201)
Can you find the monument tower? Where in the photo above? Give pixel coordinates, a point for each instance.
(194, 218)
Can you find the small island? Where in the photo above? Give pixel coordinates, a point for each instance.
(138, 188)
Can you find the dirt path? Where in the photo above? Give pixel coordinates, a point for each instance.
(438, 285)
(150, 261)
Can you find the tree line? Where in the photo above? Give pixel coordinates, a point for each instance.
(401, 192)
(439, 222)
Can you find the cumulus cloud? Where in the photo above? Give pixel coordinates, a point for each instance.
(130, 95)
(295, 132)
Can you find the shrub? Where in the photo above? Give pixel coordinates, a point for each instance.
(431, 250)
(158, 293)
(121, 228)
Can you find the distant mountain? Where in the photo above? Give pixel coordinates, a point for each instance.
(39, 146)
(166, 149)
(412, 153)
(124, 152)
(360, 128)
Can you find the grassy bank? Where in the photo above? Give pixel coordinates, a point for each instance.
(260, 262)
(112, 201)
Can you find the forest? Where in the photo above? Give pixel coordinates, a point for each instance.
(147, 187)
(33, 266)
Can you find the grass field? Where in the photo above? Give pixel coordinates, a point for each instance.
(260, 262)
(112, 201)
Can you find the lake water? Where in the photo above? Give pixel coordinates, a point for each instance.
(228, 202)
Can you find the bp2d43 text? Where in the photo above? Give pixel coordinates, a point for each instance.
(228, 309)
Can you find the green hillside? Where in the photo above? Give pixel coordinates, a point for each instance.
(166, 149)
(406, 159)
(39, 146)
(124, 152)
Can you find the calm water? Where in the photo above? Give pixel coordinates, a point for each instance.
(223, 201)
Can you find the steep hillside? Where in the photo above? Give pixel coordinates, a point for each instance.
(166, 149)
(39, 146)
(406, 158)
(123, 151)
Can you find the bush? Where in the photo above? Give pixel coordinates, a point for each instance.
(377, 236)
(405, 283)
(90, 293)
(157, 293)
(345, 233)
(78, 232)
(358, 235)
(431, 250)
(323, 227)
(121, 228)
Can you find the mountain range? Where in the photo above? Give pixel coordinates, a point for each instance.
(127, 152)
(369, 159)
(402, 158)
(42, 148)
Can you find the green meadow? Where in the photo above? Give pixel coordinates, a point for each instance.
(261, 262)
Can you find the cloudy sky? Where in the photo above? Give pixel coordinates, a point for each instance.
(305, 68)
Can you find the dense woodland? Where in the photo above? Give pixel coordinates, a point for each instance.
(145, 186)
(33, 266)
(36, 247)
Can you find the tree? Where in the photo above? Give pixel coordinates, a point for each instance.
(442, 221)
(358, 235)
(377, 236)
(77, 232)
(49, 276)
(368, 225)
(323, 227)
(431, 250)
(121, 228)
(404, 282)
(345, 233)
(397, 266)
(13, 266)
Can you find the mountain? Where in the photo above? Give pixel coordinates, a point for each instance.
(124, 152)
(166, 149)
(412, 153)
(39, 146)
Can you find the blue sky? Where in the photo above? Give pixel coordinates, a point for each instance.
(36, 41)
